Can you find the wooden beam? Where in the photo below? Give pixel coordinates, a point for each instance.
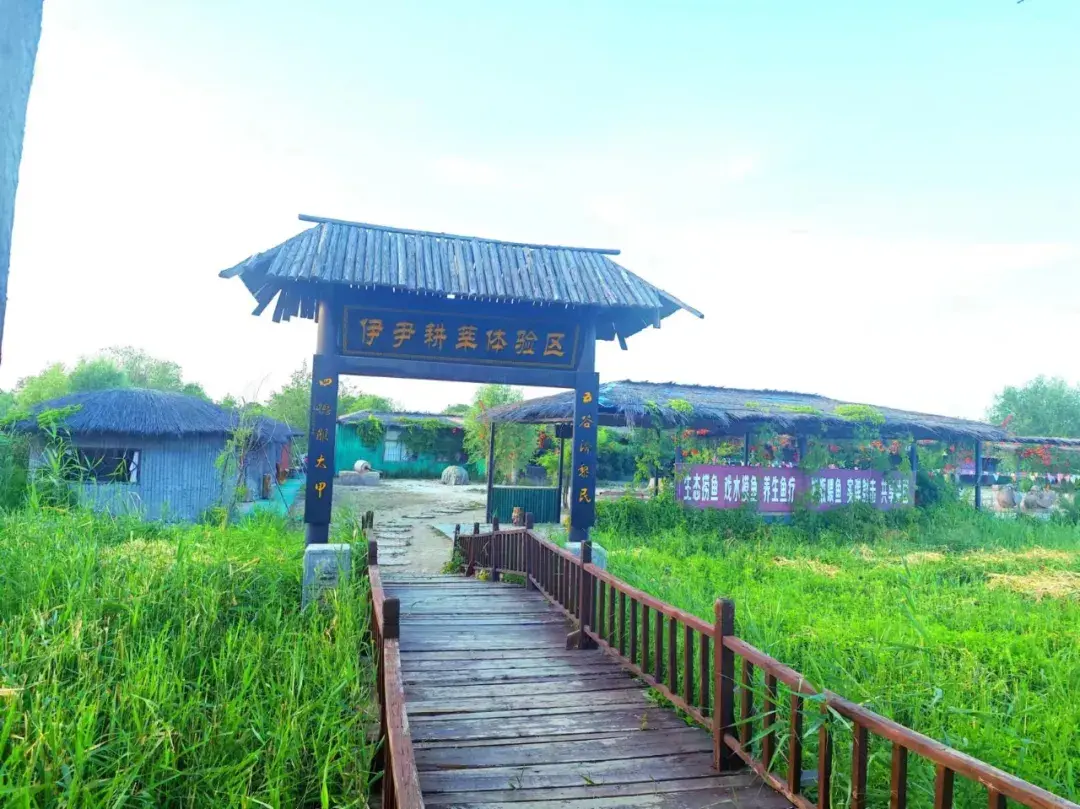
(456, 372)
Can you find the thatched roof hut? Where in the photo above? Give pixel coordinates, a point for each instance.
(735, 411)
(156, 453)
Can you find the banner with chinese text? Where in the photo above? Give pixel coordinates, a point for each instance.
(776, 490)
(446, 337)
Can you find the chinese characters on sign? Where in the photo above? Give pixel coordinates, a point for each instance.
(320, 473)
(777, 490)
(458, 338)
(583, 488)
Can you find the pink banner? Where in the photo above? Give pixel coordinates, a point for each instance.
(776, 490)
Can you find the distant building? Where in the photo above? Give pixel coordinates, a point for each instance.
(158, 454)
(393, 454)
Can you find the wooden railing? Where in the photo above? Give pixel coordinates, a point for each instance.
(394, 757)
(693, 664)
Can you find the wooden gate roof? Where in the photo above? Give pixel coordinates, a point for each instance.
(363, 256)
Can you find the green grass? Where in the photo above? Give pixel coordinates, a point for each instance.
(150, 666)
(962, 626)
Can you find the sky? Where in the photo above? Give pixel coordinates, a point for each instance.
(878, 202)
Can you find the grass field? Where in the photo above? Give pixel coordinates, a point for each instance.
(145, 666)
(962, 626)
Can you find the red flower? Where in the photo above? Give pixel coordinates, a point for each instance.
(686, 453)
(834, 448)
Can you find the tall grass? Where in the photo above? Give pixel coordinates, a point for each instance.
(957, 624)
(143, 665)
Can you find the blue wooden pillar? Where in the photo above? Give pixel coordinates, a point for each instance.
(322, 432)
(583, 468)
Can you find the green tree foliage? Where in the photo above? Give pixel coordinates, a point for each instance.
(51, 383)
(144, 371)
(456, 409)
(1044, 406)
(114, 368)
(292, 402)
(350, 401)
(97, 373)
(515, 444)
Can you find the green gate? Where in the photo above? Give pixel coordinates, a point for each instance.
(542, 501)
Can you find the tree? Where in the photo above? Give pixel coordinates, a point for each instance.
(7, 402)
(1043, 407)
(97, 373)
(456, 409)
(515, 444)
(114, 368)
(350, 401)
(51, 383)
(292, 402)
(144, 371)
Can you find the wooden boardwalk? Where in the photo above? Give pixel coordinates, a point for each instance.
(502, 714)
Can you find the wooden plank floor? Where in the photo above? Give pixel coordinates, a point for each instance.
(503, 715)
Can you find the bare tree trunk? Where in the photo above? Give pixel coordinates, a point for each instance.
(20, 30)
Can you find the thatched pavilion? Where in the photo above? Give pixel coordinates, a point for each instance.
(738, 412)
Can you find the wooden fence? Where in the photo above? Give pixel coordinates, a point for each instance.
(693, 664)
(394, 758)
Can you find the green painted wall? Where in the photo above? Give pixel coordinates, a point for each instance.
(349, 450)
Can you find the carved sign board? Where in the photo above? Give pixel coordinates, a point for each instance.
(369, 331)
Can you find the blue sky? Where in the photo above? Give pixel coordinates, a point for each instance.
(878, 202)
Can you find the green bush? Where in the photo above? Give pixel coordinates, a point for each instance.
(14, 465)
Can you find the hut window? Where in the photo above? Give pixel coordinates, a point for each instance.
(105, 465)
(394, 451)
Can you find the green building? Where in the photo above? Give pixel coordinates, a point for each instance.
(401, 445)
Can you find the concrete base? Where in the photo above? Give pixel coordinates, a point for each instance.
(599, 555)
(368, 478)
(325, 566)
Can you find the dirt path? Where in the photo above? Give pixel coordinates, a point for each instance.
(406, 515)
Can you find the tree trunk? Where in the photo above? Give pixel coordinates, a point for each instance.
(20, 29)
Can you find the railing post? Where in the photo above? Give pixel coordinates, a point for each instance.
(494, 553)
(471, 569)
(723, 685)
(457, 551)
(372, 553)
(528, 551)
(391, 619)
(586, 588)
